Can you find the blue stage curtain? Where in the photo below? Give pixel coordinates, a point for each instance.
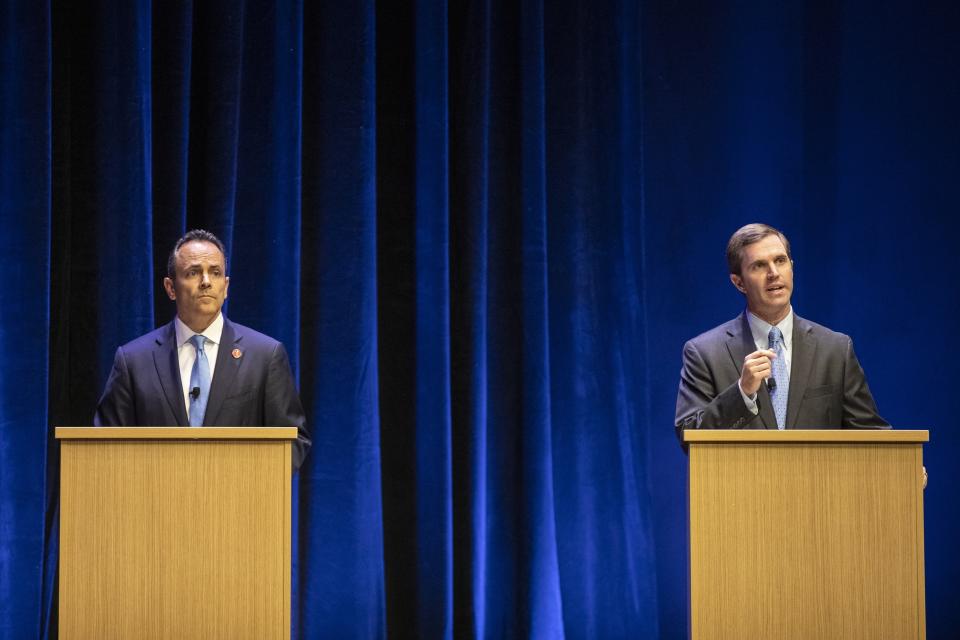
(509, 449)
(25, 206)
(483, 231)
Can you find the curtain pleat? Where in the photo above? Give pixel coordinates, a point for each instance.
(341, 540)
(25, 223)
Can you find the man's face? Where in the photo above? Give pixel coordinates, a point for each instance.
(766, 278)
(200, 285)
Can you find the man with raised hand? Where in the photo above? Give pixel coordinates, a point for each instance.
(769, 368)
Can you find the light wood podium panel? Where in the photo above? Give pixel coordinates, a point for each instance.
(806, 534)
(173, 532)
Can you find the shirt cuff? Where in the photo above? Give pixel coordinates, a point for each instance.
(750, 401)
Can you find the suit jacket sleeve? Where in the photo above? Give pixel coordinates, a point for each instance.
(859, 408)
(116, 406)
(700, 404)
(282, 405)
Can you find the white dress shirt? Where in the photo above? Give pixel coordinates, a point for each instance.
(760, 329)
(187, 354)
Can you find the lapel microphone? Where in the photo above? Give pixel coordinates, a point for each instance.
(195, 393)
(771, 385)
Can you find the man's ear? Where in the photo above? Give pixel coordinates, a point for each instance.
(737, 282)
(168, 287)
(226, 287)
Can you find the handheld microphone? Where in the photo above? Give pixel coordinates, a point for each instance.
(195, 393)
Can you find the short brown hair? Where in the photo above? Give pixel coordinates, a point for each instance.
(195, 234)
(746, 235)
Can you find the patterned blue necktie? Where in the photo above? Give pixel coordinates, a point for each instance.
(199, 379)
(778, 395)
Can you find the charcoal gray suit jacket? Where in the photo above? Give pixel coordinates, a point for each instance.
(828, 389)
(252, 390)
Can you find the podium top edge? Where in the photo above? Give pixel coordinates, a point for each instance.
(176, 433)
(806, 435)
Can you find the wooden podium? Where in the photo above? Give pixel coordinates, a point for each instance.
(806, 534)
(173, 532)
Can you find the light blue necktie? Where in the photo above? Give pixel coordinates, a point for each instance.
(779, 393)
(199, 379)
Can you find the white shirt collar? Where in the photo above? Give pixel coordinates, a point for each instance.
(211, 333)
(761, 329)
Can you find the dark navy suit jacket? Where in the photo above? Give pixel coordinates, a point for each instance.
(828, 389)
(255, 389)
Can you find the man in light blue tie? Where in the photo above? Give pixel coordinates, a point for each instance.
(769, 368)
(199, 381)
(201, 369)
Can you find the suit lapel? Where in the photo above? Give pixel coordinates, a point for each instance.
(804, 353)
(168, 370)
(739, 344)
(224, 373)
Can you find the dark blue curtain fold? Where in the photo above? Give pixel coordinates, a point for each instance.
(596, 274)
(25, 219)
(341, 544)
(483, 231)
